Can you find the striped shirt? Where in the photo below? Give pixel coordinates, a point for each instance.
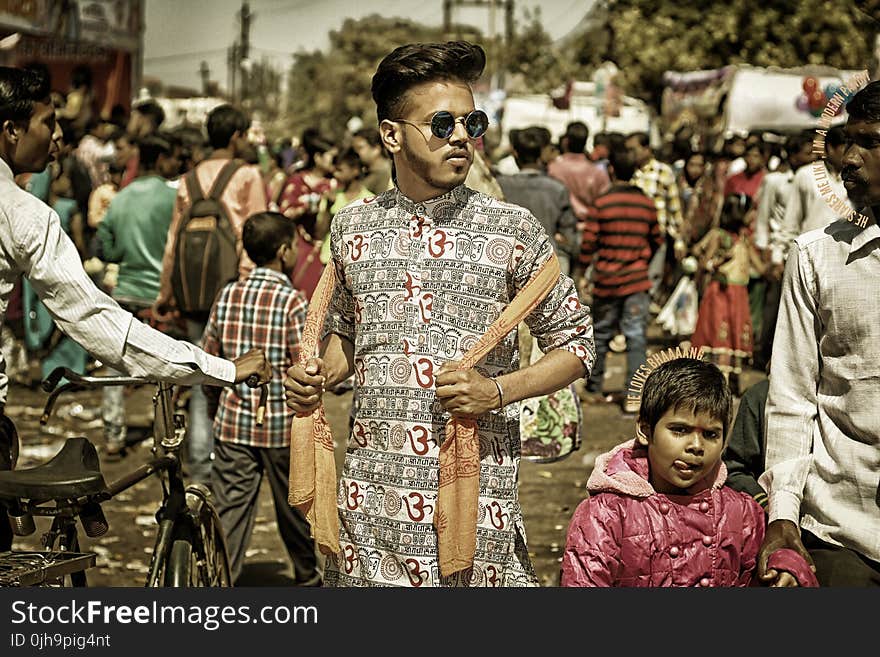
(264, 311)
(33, 244)
(620, 235)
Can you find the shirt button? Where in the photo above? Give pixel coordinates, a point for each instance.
(664, 507)
(673, 551)
(704, 506)
(707, 541)
(705, 581)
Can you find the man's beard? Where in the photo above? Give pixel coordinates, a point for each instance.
(421, 169)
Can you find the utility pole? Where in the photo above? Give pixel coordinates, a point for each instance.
(232, 62)
(245, 16)
(496, 67)
(205, 74)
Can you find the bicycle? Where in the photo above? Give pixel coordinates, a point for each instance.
(190, 545)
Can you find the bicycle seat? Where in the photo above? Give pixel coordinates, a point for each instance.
(73, 472)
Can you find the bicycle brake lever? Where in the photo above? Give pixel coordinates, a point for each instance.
(253, 381)
(48, 384)
(50, 401)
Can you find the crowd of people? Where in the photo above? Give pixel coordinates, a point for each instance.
(438, 247)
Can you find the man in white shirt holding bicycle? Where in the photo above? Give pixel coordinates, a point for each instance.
(33, 244)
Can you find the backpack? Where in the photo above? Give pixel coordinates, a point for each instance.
(206, 251)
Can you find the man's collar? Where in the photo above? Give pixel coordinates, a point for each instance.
(870, 232)
(5, 170)
(426, 208)
(271, 274)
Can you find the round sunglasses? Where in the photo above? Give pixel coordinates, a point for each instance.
(443, 124)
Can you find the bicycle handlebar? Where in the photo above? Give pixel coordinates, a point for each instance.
(48, 384)
(76, 381)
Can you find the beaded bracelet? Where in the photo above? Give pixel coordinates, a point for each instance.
(500, 393)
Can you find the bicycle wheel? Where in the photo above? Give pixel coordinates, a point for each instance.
(198, 555)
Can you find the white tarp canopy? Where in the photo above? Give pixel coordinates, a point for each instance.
(741, 98)
(523, 111)
(768, 100)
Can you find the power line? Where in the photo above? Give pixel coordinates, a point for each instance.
(284, 7)
(195, 53)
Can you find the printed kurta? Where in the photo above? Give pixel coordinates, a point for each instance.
(418, 285)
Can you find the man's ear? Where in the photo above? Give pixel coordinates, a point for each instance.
(11, 130)
(643, 433)
(389, 131)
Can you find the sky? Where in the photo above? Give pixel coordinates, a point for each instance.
(180, 34)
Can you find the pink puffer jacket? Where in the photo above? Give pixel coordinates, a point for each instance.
(627, 534)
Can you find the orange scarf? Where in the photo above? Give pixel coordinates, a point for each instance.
(455, 517)
(312, 460)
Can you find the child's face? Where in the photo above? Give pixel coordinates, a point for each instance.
(683, 449)
(345, 173)
(290, 254)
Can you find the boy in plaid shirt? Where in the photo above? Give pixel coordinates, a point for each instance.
(261, 310)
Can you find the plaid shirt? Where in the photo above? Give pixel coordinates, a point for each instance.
(262, 310)
(658, 181)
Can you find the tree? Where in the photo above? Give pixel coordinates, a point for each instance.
(326, 90)
(645, 38)
(535, 63)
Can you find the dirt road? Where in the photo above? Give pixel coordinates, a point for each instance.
(549, 493)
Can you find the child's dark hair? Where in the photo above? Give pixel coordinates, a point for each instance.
(350, 157)
(416, 63)
(264, 233)
(313, 144)
(623, 164)
(734, 211)
(685, 383)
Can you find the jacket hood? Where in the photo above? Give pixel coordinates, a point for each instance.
(625, 469)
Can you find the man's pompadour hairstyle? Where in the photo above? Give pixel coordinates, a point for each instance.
(417, 63)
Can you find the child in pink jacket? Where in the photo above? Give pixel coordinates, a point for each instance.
(659, 513)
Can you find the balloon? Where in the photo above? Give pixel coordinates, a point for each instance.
(831, 88)
(810, 84)
(817, 99)
(817, 111)
(802, 104)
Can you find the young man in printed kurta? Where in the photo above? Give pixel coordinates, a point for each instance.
(423, 270)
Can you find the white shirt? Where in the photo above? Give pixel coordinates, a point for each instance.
(33, 243)
(822, 417)
(772, 200)
(806, 209)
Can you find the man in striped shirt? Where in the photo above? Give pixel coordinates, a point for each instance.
(262, 310)
(620, 237)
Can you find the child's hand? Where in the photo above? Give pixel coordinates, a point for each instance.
(781, 534)
(783, 580)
